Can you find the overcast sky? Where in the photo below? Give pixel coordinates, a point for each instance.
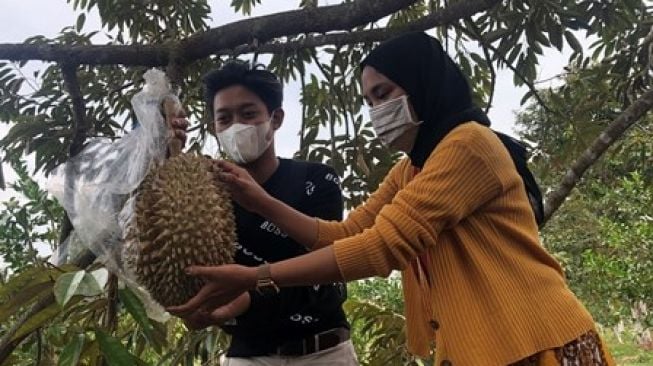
(20, 19)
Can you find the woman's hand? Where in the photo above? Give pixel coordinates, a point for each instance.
(223, 284)
(244, 189)
(202, 318)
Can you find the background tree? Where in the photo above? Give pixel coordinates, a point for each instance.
(75, 314)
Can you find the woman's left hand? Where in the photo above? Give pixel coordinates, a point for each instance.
(244, 189)
(222, 285)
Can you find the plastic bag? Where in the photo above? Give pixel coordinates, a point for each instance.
(95, 187)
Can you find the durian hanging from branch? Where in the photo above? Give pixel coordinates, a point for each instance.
(182, 217)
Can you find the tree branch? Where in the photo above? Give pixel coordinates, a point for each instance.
(80, 127)
(610, 134)
(249, 35)
(458, 10)
(265, 28)
(201, 45)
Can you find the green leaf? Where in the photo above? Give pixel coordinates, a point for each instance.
(89, 286)
(573, 42)
(526, 96)
(135, 307)
(101, 276)
(67, 285)
(555, 33)
(77, 283)
(24, 298)
(38, 320)
(80, 22)
(114, 352)
(28, 286)
(70, 354)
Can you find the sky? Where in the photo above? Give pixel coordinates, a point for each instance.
(20, 19)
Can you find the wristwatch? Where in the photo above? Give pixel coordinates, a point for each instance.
(264, 283)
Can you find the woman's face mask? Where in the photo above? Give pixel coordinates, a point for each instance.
(245, 143)
(392, 120)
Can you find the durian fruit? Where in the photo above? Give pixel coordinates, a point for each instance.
(181, 217)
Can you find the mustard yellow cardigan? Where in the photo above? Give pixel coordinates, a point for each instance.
(492, 295)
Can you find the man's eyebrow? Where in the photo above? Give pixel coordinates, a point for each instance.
(241, 106)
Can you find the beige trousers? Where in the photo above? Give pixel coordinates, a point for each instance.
(340, 355)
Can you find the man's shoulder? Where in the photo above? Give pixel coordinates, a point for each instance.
(310, 166)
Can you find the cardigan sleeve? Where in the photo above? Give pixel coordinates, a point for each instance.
(456, 180)
(363, 216)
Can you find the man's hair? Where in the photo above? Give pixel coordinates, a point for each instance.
(254, 78)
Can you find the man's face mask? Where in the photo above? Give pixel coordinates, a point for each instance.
(392, 119)
(245, 143)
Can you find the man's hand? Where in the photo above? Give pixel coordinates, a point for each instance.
(223, 284)
(244, 189)
(179, 126)
(201, 319)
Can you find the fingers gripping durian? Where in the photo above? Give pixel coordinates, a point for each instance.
(181, 217)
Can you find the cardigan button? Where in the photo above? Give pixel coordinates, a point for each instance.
(446, 363)
(434, 324)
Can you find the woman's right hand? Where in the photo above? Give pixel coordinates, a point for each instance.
(244, 189)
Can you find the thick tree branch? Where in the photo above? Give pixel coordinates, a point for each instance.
(131, 55)
(609, 135)
(249, 35)
(441, 17)
(322, 19)
(310, 20)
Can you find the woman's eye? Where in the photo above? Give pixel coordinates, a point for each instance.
(382, 95)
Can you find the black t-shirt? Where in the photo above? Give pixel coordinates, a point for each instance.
(295, 312)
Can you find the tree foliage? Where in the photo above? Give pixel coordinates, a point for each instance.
(602, 232)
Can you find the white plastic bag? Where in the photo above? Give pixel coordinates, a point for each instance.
(95, 187)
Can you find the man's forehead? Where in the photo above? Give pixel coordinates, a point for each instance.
(236, 97)
(237, 105)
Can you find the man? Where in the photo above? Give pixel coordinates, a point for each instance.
(291, 326)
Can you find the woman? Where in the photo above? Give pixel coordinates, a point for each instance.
(454, 216)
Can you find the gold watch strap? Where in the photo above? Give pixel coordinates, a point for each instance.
(264, 281)
(263, 272)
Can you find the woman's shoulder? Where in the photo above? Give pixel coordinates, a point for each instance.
(470, 132)
(477, 138)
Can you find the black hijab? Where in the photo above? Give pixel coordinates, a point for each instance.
(441, 97)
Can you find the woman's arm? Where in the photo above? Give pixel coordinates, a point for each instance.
(306, 230)
(252, 197)
(228, 282)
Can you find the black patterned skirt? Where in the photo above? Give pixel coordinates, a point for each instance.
(586, 350)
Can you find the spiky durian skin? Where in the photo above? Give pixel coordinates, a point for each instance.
(182, 218)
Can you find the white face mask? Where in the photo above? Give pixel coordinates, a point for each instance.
(245, 143)
(392, 119)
